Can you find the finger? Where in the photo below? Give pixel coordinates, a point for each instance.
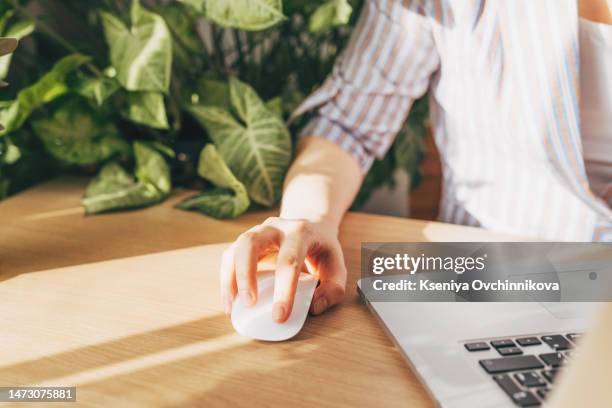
(246, 255)
(228, 279)
(289, 264)
(330, 292)
(332, 282)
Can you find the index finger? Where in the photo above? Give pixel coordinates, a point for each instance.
(247, 251)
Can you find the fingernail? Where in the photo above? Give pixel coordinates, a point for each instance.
(247, 297)
(278, 312)
(320, 305)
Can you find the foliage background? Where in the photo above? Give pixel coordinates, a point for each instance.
(147, 97)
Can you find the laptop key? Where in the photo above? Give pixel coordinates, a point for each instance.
(520, 397)
(528, 341)
(503, 343)
(550, 374)
(557, 342)
(525, 399)
(575, 337)
(512, 363)
(543, 392)
(509, 351)
(553, 359)
(478, 346)
(530, 379)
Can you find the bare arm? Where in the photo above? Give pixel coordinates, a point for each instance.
(321, 184)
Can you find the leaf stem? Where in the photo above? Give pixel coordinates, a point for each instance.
(174, 104)
(217, 36)
(238, 45)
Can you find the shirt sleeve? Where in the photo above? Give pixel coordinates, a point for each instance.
(385, 67)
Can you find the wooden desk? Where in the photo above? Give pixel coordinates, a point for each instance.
(149, 331)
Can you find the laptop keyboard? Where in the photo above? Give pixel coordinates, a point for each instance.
(526, 376)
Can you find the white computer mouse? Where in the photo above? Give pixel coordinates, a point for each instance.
(256, 321)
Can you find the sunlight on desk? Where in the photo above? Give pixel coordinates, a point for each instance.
(147, 321)
(110, 301)
(436, 232)
(53, 214)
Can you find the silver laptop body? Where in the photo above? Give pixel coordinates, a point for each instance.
(431, 336)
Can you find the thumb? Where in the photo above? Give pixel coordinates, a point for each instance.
(332, 284)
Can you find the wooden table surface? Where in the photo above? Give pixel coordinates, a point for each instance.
(125, 307)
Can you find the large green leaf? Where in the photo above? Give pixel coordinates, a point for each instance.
(331, 14)
(77, 134)
(243, 14)
(115, 189)
(18, 30)
(228, 200)
(111, 178)
(152, 168)
(147, 108)
(49, 87)
(255, 143)
(142, 54)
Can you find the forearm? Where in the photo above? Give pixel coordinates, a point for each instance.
(321, 184)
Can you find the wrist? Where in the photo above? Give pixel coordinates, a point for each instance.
(325, 221)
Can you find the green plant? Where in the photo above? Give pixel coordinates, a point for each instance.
(9, 153)
(7, 46)
(145, 95)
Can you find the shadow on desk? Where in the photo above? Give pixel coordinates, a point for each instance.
(204, 359)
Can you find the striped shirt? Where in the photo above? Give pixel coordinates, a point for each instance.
(503, 82)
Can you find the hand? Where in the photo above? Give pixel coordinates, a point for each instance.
(295, 242)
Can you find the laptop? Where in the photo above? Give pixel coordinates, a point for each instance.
(481, 355)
